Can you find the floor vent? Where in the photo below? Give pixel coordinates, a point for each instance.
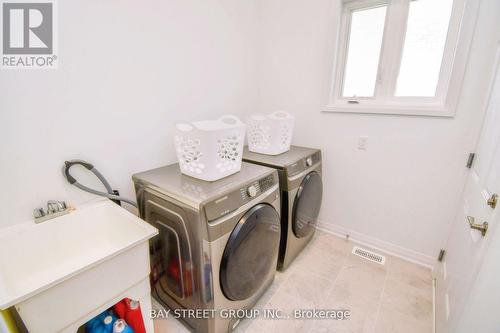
(369, 255)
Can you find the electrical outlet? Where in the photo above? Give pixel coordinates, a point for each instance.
(362, 142)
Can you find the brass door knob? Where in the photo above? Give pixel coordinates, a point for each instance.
(483, 227)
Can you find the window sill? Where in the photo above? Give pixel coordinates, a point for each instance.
(402, 110)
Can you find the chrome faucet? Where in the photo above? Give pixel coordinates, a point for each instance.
(54, 209)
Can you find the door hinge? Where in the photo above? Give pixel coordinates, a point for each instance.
(470, 161)
(441, 255)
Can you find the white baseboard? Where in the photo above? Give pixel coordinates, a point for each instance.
(380, 245)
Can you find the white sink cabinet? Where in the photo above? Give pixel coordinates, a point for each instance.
(64, 271)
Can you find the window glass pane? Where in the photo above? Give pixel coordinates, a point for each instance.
(426, 32)
(365, 42)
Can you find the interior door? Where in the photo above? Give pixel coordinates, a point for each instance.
(466, 246)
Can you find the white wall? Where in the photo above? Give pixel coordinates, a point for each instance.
(402, 192)
(128, 70)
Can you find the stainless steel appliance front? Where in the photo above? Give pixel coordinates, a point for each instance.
(300, 175)
(215, 251)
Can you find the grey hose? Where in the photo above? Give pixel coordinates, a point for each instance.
(110, 194)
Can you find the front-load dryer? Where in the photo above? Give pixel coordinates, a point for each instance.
(301, 186)
(218, 241)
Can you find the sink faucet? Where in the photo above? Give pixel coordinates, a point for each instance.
(54, 209)
(54, 206)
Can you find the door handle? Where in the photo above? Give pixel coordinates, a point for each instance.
(492, 202)
(477, 226)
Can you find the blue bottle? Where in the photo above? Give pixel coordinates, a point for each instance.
(94, 325)
(103, 323)
(108, 323)
(121, 326)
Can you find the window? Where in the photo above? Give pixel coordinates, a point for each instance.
(367, 30)
(401, 56)
(423, 48)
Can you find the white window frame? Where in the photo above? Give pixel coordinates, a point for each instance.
(460, 31)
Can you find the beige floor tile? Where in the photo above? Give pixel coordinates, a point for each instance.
(280, 277)
(409, 273)
(271, 290)
(363, 312)
(288, 299)
(320, 263)
(309, 288)
(320, 327)
(371, 321)
(278, 326)
(325, 256)
(341, 326)
(390, 321)
(331, 244)
(361, 279)
(413, 302)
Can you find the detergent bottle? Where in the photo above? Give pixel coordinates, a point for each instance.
(102, 323)
(120, 308)
(133, 316)
(108, 323)
(120, 326)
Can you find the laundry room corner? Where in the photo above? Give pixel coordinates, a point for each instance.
(393, 181)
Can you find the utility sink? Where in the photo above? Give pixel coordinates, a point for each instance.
(64, 271)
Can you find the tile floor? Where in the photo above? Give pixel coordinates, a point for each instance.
(391, 298)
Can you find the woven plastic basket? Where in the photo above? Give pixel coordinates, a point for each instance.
(210, 150)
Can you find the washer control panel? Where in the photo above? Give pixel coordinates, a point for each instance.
(231, 201)
(252, 191)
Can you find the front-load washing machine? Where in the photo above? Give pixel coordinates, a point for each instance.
(301, 186)
(218, 242)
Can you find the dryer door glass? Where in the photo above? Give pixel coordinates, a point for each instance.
(251, 253)
(307, 204)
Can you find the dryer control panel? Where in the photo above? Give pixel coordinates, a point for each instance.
(230, 202)
(304, 164)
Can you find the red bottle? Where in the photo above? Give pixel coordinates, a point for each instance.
(120, 308)
(133, 316)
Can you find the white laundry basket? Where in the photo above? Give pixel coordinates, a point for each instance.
(212, 149)
(270, 134)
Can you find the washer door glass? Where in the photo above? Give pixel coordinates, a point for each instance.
(307, 205)
(251, 252)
